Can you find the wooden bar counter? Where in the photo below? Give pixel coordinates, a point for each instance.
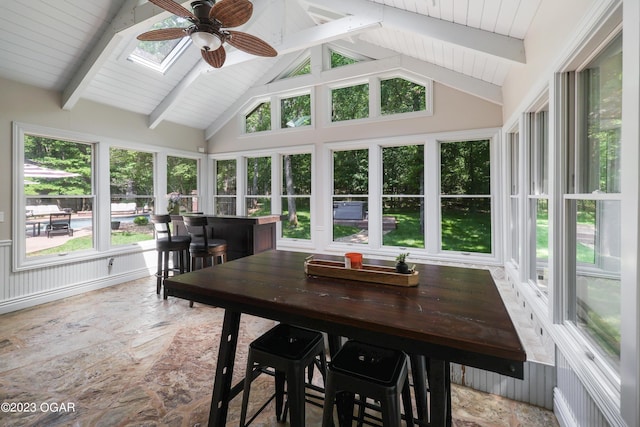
(245, 235)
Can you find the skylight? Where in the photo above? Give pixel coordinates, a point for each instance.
(159, 55)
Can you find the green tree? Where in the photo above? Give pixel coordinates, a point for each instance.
(131, 173)
(259, 119)
(351, 172)
(182, 175)
(295, 111)
(401, 96)
(465, 167)
(349, 103)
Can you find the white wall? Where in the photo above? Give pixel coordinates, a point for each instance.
(554, 23)
(452, 110)
(27, 104)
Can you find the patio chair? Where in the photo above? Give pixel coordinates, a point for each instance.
(59, 223)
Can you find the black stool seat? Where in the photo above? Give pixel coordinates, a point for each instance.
(371, 372)
(175, 243)
(289, 350)
(212, 245)
(166, 244)
(203, 245)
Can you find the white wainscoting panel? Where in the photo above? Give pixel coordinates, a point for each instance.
(574, 405)
(37, 286)
(536, 388)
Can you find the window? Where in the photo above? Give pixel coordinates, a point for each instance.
(340, 60)
(258, 199)
(226, 189)
(465, 196)
(300, 69)
(159, 55)
(539, 198)
(402, 96)
(592, 202)
(259, 119)
(58, 196)
(403, 206)
(350, 196)
(513, 149)
(295, 111)
(296, 196)
(131, 182)
(182, 184)
(350, 103)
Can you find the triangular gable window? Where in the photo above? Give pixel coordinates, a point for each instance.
(299, 68)
(338, 59)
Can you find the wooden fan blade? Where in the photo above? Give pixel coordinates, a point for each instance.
(163, 34)
(231, 13)
(215, 58)
(250, 44)
(175, 8)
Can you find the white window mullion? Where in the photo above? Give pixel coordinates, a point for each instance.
(241, 185)
(375, 196)
(432, 238)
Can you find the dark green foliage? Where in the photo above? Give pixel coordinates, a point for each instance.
(350, 103)
(295, 111)
(351, 172)
(141, 220)
(401, 96)
(67, 156)
(259, 119)
(340, 60)
(465, 167)
(131, 173)
(182, 175)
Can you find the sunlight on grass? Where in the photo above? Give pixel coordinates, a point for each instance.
(86, 242)
(407, 234)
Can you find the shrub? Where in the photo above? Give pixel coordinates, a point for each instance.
(141, 220)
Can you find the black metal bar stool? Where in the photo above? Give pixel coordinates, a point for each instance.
(203, 246)
(166, 244)
(371, 372)
(289, 350)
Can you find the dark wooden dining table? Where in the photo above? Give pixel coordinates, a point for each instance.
(454, 315)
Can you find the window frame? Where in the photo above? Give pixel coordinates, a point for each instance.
(576, 347)
(370, 82)
(20, 260)
(491, 196)
(537, 154)
(283, 195)
(432, 250)
(100, 176)
(428, 89)
(250, 109)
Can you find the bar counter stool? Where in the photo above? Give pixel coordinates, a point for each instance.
(370, 372)
(203, 246)
(289, 350)
(166, 245)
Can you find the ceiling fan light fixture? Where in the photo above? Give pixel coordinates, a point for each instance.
(205, 40)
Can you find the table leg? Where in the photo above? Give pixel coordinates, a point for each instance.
(440, 393)
(418, 372)
(224, 369)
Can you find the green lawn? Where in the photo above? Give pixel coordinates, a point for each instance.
(407, 234)
(301, 231)
(86, 242)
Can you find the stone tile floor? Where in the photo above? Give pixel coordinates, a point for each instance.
(122, 356)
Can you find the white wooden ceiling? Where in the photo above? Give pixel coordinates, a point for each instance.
(80, 48)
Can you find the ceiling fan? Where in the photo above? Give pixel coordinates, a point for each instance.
(209, 28)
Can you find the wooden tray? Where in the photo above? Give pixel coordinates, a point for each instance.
(368, 273)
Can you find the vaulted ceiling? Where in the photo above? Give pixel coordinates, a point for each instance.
(80, 48)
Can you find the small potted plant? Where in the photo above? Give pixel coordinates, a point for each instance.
(401, 265)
